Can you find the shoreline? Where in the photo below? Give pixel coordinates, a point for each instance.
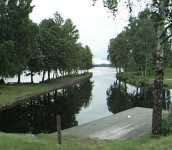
(23, 92)
(136, 80)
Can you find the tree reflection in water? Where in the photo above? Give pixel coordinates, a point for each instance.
(38, 115)
(118, 99)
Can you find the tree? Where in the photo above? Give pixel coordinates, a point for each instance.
(25, 46)
(68, 47)
(6, 58)
(14, 18)
(60, 47)
(119, 51)
(47, 41)
(132, 49)
(35, 59)
(161, 12)
(19, 18)
(85, 58)
(141, 38)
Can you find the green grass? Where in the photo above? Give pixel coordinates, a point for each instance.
(168, 77)
(10, 93)
(25, 142)
(133, 78)
(48, 142)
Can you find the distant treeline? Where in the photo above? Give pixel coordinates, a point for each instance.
(49, 46)
(102, 65)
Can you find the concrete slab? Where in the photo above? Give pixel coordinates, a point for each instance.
(127, 124)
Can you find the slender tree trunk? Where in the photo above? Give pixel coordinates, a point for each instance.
(158, 83)
(143, 71)
(31, 75)
(137, 90)
(125, 85)
(117, 70)
(119, 83)
(19, 78)
(146, 66)
(57, 74)
(149, 68)
(2, 81)
(49, 75)
(43, 76)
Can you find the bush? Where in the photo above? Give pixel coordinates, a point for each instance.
(166, 126)
(2, 82)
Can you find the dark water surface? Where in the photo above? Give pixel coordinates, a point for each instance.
(93, 99)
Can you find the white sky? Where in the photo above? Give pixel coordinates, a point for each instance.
(96, 25)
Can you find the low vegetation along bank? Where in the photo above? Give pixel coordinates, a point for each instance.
(46, 142)
(12, 93)
(137, 80)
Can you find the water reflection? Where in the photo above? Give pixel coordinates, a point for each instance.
(119, 99)
(38, 115)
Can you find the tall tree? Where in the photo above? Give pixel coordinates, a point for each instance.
(35, 58)
(47, 44)
(161, 10)
(14, 20)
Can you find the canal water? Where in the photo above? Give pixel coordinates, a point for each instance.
(102, 79)
(95, 98)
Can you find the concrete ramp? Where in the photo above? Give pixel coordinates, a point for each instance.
(127, 124)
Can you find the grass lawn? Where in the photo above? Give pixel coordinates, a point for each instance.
(48, 142)
(10, 93)
(132, 78)
(168, 77)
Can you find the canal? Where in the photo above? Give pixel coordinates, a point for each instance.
(95, 98)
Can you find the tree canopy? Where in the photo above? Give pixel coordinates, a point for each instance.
(134, 48)
(52, 45)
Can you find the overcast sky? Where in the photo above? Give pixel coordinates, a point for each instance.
(95, 23)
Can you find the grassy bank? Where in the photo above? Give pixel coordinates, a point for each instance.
(134, 79)
(46, 142)
(13, 93)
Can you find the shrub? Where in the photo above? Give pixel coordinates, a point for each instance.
(166, 126)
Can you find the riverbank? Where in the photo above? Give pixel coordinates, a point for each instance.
(134, 79)
(49, 142)
(10, 94)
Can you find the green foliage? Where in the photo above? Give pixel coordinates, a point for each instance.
(166, 127)
(134, 79)
(60, 48)
(14, 18)
(50, 46)
(6, 58)
(134, 48)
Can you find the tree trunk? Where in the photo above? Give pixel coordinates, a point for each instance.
(137, 90)
(158, 86)
(57, 74)
(19, 78)
(125, 85)
(49, 75)
(43, 76)
(31, 77)
(146, 66)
